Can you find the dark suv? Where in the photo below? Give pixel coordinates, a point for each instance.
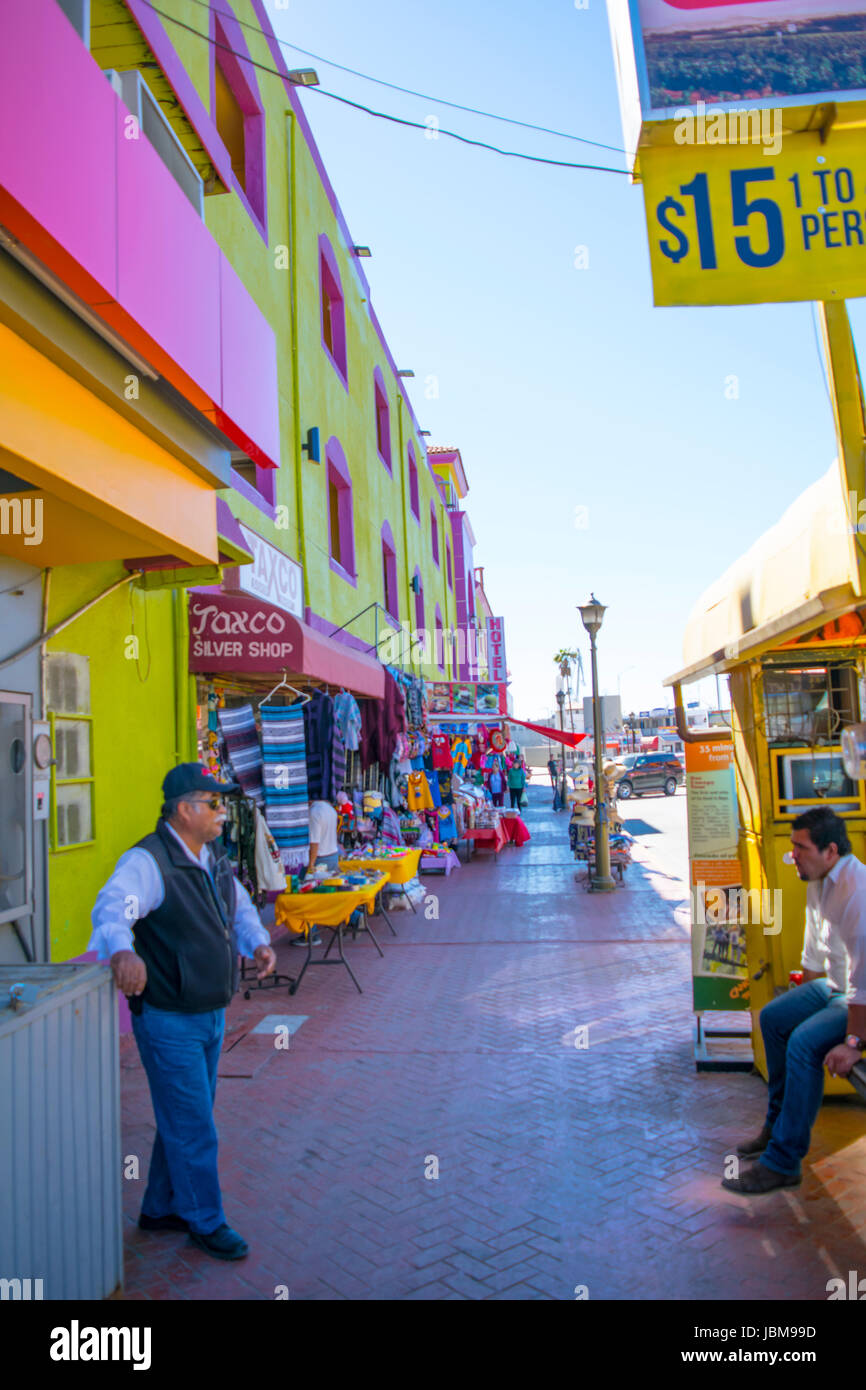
(650, 772)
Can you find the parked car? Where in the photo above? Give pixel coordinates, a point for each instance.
(650, 772)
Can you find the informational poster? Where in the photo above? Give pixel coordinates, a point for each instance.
(750, 223)
(487, 699)
(463, 698)
(719, 968)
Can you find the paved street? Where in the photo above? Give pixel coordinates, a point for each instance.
(558, 1165)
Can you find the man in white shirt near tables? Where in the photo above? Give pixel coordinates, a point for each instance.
(172, 918)
(821, 1022)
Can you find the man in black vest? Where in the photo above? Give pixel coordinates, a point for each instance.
(179, 968)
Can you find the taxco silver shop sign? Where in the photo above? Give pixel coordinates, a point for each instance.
(228, 633)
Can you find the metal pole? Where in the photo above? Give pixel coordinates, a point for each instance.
(562, 746)
(601, 880)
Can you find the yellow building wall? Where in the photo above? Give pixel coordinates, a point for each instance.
(300, 528)
(133, 740)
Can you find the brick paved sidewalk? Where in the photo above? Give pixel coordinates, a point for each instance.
(558, 1166)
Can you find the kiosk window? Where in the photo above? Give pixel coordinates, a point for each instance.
(810, 704)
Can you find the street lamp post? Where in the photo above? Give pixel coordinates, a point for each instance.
(560, 700)
(591, 615)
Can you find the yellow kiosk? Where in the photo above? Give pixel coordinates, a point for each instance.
(787, 624)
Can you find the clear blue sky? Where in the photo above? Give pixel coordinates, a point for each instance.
(563, 388)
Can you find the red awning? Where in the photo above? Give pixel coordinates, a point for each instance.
(231, 633)
(555, 735)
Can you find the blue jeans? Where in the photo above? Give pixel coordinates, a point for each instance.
(180, 1054)
(799, 1029)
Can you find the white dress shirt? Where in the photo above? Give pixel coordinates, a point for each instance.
(835, 941)
(136, 888)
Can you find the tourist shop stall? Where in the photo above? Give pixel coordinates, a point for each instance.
(787, 625)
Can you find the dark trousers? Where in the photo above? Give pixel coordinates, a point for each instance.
(515, 793)
(799, 1029)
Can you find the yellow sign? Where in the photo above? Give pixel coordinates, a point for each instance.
(741, 224)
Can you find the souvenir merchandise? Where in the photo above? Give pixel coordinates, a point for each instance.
(418, 792)
(270, 874)
(497, 740)
(381, 722)
(445, 787)
(238, 728)
(440, 752)
(318, 713)
(285, 778)
(348, 717)
(461, 752)
(447, 826)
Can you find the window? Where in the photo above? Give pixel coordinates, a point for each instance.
(389, 573)
(440, 640)
(448, 567)
(238, 112)
(383, 418)
(68, 683)
(434, 533)
(809, 704)
(333, 309)
(341, 525)
(414, 499)
(254, 483)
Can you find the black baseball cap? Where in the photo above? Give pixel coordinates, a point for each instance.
(192, 777)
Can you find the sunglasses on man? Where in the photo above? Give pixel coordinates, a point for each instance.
(216, 803)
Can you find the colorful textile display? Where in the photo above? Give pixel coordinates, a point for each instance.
(348, 717)
(238, 727)
(445, 787)
(381, 722)
(285, 776)
(319, 740)
(418, 794)
(338, 762)
(461, 752)
(440, 752)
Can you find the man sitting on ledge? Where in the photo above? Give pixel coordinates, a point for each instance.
(823, 1021)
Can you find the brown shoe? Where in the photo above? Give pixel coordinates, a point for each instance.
(750, 1148)
(760, 1178)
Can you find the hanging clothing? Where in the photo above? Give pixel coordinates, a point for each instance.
(338, 763)
(461, 752)
(270, 874)
(381, 723)
(238, 728)
(348, 717)
(319, 741)
(418, 793)
(285, 775)
(445, 789)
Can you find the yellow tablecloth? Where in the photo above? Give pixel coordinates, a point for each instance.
(296, 910)
(399, 870)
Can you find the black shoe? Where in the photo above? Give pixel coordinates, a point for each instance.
(760, 1178)
(223, 1243)
(750, 1148)
(162, 1223)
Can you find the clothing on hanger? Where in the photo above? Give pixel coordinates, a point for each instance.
(348, 717)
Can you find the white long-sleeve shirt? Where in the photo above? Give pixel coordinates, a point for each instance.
(136, 888)
(835, 940)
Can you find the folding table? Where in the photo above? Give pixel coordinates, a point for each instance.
(300, 911)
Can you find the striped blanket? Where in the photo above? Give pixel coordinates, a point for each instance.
(238, 727)
(285, 776)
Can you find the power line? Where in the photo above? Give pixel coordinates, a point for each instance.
(425, 96)
(384, 115)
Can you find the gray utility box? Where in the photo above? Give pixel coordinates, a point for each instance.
(60, 1166)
